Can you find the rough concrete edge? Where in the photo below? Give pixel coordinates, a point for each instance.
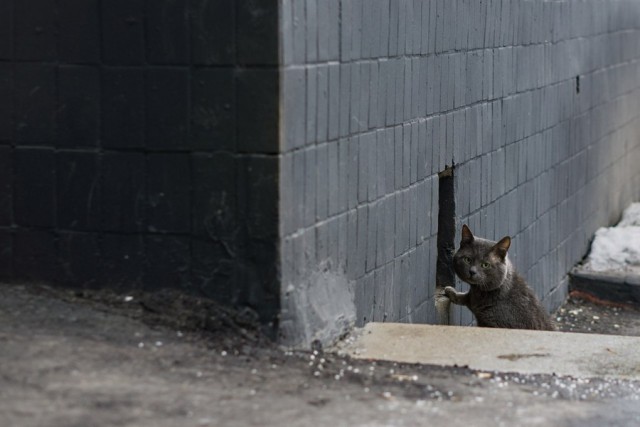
(317, 310)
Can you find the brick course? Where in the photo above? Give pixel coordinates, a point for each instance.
(137, 142)
(491, 86)
(285, 155)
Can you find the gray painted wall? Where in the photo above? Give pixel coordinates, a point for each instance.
(378, 96)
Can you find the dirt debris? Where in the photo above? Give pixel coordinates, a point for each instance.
(586, 314)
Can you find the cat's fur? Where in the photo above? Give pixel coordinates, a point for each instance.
(498, 297)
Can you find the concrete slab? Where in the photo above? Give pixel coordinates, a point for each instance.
(506, 350)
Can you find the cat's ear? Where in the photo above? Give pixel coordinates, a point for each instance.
(502, 247)
(467, 236)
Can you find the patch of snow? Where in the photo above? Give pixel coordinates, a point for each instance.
(618, 248)
(630, 216)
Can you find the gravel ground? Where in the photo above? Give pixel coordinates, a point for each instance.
(105, 360)
(585, 314)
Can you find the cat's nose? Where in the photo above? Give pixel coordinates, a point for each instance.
(472, 271)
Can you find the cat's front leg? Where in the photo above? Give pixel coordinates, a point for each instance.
(460, 298)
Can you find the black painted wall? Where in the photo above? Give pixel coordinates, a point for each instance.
(138, 145)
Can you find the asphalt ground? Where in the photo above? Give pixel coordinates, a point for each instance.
(101, 359)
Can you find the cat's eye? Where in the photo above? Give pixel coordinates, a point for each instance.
(466, 260)
(485, 265)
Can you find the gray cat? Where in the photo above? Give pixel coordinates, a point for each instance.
(498, 297)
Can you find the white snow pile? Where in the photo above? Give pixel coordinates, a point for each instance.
(617, 249)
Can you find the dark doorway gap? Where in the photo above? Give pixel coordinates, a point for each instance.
(446, 234)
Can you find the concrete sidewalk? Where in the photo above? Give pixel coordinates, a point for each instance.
(502, 350)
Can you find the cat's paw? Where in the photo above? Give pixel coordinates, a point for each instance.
(450, 292)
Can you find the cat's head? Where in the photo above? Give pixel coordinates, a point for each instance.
(480, 262)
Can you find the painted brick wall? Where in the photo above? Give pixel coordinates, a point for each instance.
(137, 146)
(536, 102)
(284, 154)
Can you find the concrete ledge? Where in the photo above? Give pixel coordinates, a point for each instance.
(506, 350)
(610, 286)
